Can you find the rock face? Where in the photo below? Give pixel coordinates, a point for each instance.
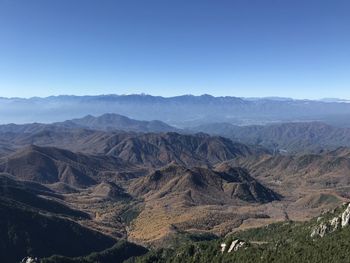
(223, 247)
(332, 225)
(335, 222)
(30, 260)
(321, 230)
(345, 216)
(235, 245)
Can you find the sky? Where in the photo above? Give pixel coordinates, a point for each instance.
(244, 48)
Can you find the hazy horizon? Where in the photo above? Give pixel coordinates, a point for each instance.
(180, 95)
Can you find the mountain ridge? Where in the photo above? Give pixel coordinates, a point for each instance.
(295, 137)
(182, 111)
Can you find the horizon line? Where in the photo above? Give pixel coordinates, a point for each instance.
(183, 95)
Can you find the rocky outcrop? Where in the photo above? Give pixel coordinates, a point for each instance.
(321, 230)
(345, 217)
(335, 223)
(223, 247)
(331, 225)
(30, 260)
(235, 245)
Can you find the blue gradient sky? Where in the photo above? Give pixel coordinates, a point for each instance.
(290, 48)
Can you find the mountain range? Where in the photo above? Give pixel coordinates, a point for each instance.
(289, 138)
(284, 137)
(125, 188)
(181, 111)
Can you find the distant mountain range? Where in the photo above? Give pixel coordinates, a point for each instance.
(181, 111)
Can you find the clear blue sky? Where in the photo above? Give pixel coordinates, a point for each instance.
(290, 48)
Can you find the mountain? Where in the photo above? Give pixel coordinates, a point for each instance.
(37, 221)
(217, 185)
(285, 137)
(34, 222)
(97, 172)
(201, 200)
(113, 121)
(150, 149)
(209, 200)
(182, 111)
(290, 138)
(25, 232)
(110, 190)
(164, 148)
(201, 186)
(105, 122)
(87, 177)
(315, 181)
(34, 196)
(50, 165)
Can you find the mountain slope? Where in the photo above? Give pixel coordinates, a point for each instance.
(311, 182)
(24, 232)
(200, 186)
(36, 197)
(288, 137)
(106, 154)
(51, 165)
(197, 200)
(162, 149)
(34, 221)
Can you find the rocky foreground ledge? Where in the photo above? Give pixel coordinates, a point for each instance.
(328, 226)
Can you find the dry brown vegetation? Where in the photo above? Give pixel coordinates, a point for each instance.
(147, 187)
